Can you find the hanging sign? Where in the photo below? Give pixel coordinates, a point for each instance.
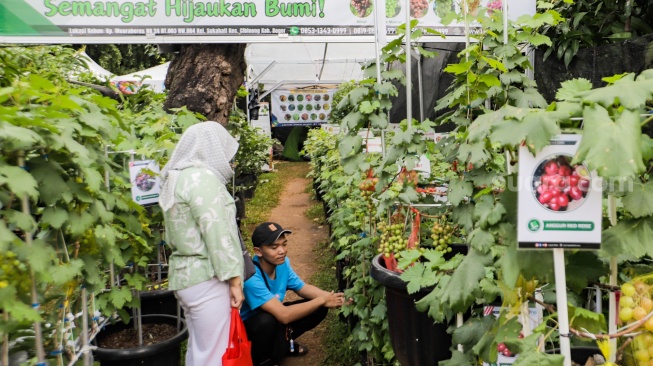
(560, 204)
(301, 107)
(197, 21)
(145, 186)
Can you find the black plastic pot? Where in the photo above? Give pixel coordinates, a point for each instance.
(166, 353)
(416, 340)
(158, 302)
(579, 354)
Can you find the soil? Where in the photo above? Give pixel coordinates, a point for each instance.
(128, 338)
(306, 235)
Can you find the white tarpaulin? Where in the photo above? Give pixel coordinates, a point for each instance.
(153, 77)
(92, 67)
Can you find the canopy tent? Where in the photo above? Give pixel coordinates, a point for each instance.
(307, 63)
(92, 67)
(274, 64)
(154, 77)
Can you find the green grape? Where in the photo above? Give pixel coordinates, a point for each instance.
(391, 8)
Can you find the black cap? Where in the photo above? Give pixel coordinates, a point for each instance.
(267, 233)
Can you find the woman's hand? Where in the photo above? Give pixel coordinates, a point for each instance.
(236, 292)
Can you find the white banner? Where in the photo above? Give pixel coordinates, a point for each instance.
(301, 107)
(165, 21)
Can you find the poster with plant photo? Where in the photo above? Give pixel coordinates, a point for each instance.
(144, 176)
(301, 107)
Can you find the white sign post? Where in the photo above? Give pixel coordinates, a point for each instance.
(145, 186)
(559, 206)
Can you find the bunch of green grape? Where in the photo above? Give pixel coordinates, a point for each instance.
(442, 233)
(444, 7)
(367, 196)
(392, 238)
(391, 8)
(14, 272)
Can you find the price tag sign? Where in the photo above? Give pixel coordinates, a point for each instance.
(560, 203)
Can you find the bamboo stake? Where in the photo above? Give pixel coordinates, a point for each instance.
(5, 341)
(38, 336)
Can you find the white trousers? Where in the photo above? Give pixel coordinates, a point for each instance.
(207, 309)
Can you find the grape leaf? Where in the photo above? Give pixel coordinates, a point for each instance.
(408, 257)
(368, 107)
(527, 98)
(536, 128)
(631, 94)
(459, 291)
(6, 236)
(647, 147)
(585, 267)
(487, 211)
(639, 199)
(79, 222)
(472, 330)
(418, 276)
(380, 311)
(39, 255)
(629, 237)
(572, 90)
(356, 96)
(18, 310)
(476, 153)
(434, 258)
(19, 181)
(481, 240)
(612, 148)
(353, 119)
(580, 318)
(65, 272)
(463, 215)
(22, 220)
(458, 359)
(17, 137)
(118, 296)
(379, 120)
(386, 88)
(458, 190)
(350, 145)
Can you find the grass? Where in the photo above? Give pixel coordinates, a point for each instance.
(267, 196)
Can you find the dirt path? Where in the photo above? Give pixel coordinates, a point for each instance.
(301, 243)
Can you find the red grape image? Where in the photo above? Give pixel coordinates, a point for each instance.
(559, 186)
(144, 181)
(361, 8)
(418, 8)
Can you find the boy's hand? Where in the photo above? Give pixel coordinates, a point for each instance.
(333, 300)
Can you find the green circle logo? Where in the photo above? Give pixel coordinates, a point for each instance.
(534, 225)
(294, 31)
(138, 198)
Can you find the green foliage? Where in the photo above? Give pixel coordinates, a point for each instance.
(253, 146)
(123, 59)
(591, 23)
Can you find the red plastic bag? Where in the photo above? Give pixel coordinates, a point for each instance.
(239, 349)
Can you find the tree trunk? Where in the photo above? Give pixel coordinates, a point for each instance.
(205, 78)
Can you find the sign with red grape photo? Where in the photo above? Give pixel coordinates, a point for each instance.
(560, 201)
(145, 181)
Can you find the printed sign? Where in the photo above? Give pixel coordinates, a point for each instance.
(166, 21)
(145, 187)
(505, 357)
(560, 203)
(301, 107)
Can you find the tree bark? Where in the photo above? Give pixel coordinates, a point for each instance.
(205, 78)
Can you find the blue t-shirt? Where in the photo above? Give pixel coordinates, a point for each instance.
(257, 294)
